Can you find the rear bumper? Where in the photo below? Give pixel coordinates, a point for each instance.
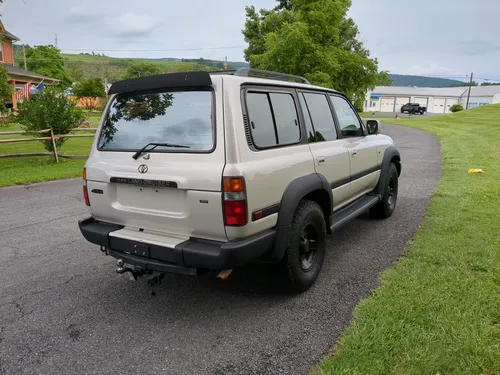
(188, 255)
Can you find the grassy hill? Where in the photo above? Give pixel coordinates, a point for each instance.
(89, 66)
(420, 81)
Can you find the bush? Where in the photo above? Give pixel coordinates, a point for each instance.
(456, 108)
(89, 92)
(358, 104)
(50, 109)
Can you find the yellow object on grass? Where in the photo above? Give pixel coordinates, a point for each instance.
(479, 170)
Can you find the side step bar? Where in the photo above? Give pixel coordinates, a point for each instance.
(353, 210)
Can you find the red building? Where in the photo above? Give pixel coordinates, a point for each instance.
(17, 77)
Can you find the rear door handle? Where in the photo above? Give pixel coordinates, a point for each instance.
(321, 160)
(354, 153)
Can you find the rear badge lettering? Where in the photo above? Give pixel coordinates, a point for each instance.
(142, 182)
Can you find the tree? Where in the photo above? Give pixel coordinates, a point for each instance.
(50, 109)
(48, 61)
(383, 79)
(311, 38)
(5, 88)
(89, 92)
(76, 72)
(142, 69)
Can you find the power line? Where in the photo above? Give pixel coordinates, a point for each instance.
(152, 50)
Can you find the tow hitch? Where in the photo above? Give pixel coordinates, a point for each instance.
(134, 273)
(152, 278)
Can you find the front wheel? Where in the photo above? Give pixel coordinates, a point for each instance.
(385, 208)
(306, 247)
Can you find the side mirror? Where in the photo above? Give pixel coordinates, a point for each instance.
(372, 126)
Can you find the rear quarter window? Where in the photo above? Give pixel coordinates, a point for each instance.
(181, 118)
(273, 119)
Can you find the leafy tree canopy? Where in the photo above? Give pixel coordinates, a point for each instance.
(5, 88)
(48, 61)
(89, 88)
(142, 69)
(50, 109)
(88, 91)
(311, 38)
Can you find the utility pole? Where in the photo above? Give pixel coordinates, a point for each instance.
(24, 56)
(470, 86)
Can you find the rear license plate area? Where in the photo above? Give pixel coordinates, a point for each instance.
(131, 247)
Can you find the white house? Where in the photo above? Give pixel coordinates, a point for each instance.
(437, 100)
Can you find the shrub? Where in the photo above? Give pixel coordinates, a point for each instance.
(89, 92)
(358, 104)
(50, 109)
(456, 108)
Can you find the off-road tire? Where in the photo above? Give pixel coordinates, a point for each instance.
(305, 251)
(385, 208)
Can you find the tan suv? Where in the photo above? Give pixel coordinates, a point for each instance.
(196, 172)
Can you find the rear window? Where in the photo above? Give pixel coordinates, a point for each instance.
(181, 118)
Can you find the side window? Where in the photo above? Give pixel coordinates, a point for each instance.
(285, 115)
(273, 119)
(348, 121)
(320, 116)
(311, 134)
(261, 120)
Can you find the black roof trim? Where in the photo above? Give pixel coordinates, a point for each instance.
(170, 80)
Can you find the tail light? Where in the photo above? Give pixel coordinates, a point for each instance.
(235, 202)
(85, 191)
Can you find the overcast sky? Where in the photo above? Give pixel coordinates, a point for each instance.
(427, 37)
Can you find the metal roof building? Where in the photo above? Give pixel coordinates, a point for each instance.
(437, 100)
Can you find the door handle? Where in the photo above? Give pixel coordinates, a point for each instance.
(320, 160)
(354, 153)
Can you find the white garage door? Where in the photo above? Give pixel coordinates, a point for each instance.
(401, 101)
(449, 103)
(422, 101)
(439, 104)
(387, 104)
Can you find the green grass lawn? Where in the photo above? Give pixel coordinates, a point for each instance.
(377, 115)
(437, 311)
(24, 170)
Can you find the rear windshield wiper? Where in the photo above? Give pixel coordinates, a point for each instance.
(138, 153)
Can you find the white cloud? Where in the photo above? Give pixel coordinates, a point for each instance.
(132, 25)
(83, 14)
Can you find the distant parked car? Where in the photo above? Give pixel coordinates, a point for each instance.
(413, 108)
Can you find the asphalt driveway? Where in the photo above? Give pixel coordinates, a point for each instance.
(63, 310)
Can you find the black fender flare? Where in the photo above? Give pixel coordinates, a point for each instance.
(293, 194)
(391, 154)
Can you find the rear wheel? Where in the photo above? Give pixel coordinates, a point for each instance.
(385, 208)
(306, 247)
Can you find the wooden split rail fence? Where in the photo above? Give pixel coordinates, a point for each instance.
(53, 137)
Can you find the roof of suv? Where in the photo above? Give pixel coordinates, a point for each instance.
(268, 81)
(198, 79)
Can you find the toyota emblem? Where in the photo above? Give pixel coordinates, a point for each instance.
(143, 168)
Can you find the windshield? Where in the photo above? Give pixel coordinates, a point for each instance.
(181, 117)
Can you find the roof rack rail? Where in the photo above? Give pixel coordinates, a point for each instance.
(247, 72)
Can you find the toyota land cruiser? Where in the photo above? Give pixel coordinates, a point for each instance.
(195, 172)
